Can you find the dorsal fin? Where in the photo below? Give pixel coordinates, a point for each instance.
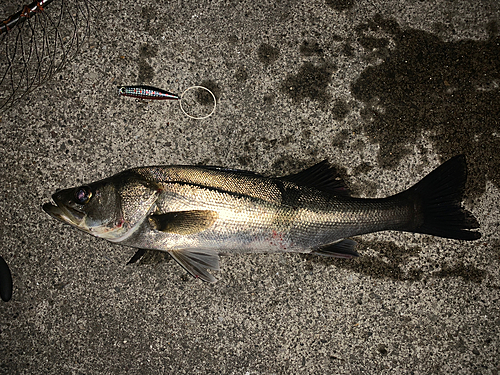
(232, 170)
(322, 176)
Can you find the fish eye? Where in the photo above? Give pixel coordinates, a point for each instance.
(83, 194)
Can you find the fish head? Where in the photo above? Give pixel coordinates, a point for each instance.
(109, 208)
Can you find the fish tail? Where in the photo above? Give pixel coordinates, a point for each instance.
(437, 202)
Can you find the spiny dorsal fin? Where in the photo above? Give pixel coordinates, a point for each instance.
(197, 262)
(341, 249)
(232, 170)
(322, 176)
(183, 222)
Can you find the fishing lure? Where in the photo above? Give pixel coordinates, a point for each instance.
(147, 92)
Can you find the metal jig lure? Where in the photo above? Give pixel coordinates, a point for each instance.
(147, 92)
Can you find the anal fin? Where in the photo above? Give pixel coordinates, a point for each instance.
(197, 262)
(342, 249)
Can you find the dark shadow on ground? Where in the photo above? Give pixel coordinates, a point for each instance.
(451, 90)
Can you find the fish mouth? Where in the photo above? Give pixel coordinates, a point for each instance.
(64, 213)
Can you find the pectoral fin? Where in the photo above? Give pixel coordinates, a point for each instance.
(197, 262)
(183, 222)
(341, 249)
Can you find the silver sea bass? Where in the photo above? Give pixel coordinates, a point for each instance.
(196, 213)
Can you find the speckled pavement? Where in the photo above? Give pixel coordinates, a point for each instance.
(385, 90)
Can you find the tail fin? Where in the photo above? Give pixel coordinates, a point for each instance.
(437, 200)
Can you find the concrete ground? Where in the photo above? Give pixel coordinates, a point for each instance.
(386, 90)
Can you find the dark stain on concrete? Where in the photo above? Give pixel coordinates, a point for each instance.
(466, 272)
(241, 74)
(371, 43)
(146, 72)
(269, 99)
(203, 96)
(492, 28)
(382, 349)
(310, 49)
(245, 161)
(310, 82)
(340, 5)
(387, 265)
(233, 39)
(362, 168)
(147, 51)
(340, 109)
(249, 144)
(390, 262)
(341, 138)
(151, 25)
(449, 89)
(267, 54)
(347, 50)
(495, 243)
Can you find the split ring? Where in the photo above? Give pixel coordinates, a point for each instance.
(196, 117)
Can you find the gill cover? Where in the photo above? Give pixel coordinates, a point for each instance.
(109, 208)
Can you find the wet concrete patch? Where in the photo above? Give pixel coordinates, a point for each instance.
(388, 264)
(203, 97)
(341, 138)
(241, 74)
(148, 14)
(347, 49)
(268, 99)
(340, 109)
(310, 49)
(147, 51)
(310, 82)
(391, 263)
(496, 247)
(466, 272)
(448, 90)
(146, 72)
(340, 5)
(267, 54)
